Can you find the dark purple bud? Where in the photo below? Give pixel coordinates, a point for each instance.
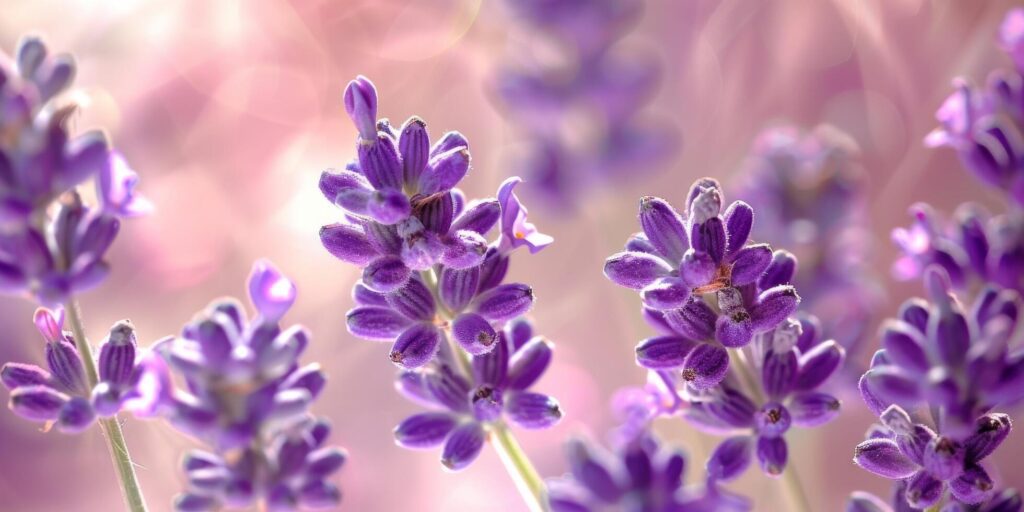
(520, 331)
(635, 270)
(364, 296)
(361, 106)
(448, 388)
(695, 321)
(436, 212)
(504, 302)
(376, 323)
(416, 346)
(709, 238)
(813, 409)
(413, 300)
(492, 367)
(480, 217)
(750, 263)
(414, 146)
(990, 431)
(378, 159)
(66, 365)
(76, 415)
(666, 293)
(346, 188)
(589, 472)
(463, 446)
(493, 269)
(923, 490)
(739, 218)
(528, 363)
(730, 458)
(16, 375)
(324, 461)
(810, 329)
(465, 249)
(37, 403)
(772, 453)
(904, 345)
(973, 486)
(348, 243)
(664, 228)
(638, 242)
(444, 170)
(944, 458)
(664, 352)
(915, 313)
(734, 328)
(474, 333)
(117, 354)
(951, 336)
(893, 385)
(772, 420)
(733, 408)
(697, 268)
(883, 458)
(532, 410)
(448, 142)
(773, 306)
(388, 206)
(705, 366)
(779, 372)
(818, 364)
(457, 288)
(386, 274)
(386, 239)
(780, 271)
(319, 495)
(487, 403)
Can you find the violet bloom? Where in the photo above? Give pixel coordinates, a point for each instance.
(986, 125)
(466, 407)
(704, 285)
(974, 247)
(583, 116)
(930, 463)
(959, 361)
(791, 363)
(248, 399)
(809, 191)
(62, 395)
(1008, 500)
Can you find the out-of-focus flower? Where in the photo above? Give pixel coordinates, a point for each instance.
(248, 399)
(986, 125)
(791, 363)
(63, 395)
(1008, 500)
(704, 286)
(465, 408)
(809, 191)
(584, 113)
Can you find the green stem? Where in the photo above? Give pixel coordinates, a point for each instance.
(130, 490)
(527, 480)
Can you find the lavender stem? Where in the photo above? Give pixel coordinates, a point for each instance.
(528, 481)
(129, 483)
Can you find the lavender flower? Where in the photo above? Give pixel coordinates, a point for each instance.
(1008, 500)
(248, 399)
(497, 391)
(596, 83)
(810, 194)
(791, 362)
(985, 125)
(957, 361)
(704, 286)
(62, 395)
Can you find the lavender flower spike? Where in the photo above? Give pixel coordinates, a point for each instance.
(248, 400)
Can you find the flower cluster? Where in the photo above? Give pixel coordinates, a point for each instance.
(582, 113)
(974, 247)
(809, 191)
(704, 285)
(40, 162)
(1008, 500)
(248, 399)
(497, 389)
(62, 395)
(986, 125)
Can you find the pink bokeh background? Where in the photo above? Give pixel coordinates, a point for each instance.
(229, 110)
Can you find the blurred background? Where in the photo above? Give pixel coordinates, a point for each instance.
(229, 110)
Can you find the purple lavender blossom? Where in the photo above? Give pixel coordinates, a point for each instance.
(810, 194)
(248, 399)
(986, 125)
(597, 83)
(791, 363)
(974, 247)
(1008, 500)
(704, 286)
(465, 408)
(957, 361)
(62, 395)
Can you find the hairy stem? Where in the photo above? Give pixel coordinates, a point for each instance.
(130, 489)
(528, 481)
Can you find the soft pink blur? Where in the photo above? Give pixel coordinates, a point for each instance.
(230, 109)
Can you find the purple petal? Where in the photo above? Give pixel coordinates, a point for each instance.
(386, 274)
(463, 446)
(504, 302)
(416, 346)
(479, 217)
(818, 364)
(116, 187)
(464, 249)
(528, 363)
(773, 306)
(772, 453)
(739, 218)
(705, 366)
(730, 458)
(780, 271)
(376, 323)
(117, 354)
(473, 333)
(16, 375)
(66, 365)
(990, 431)
(779, 373)
(532, 410)
(413, 300)
(709, 237)
(883, 458)
(974, 486)
(664, 228)
(664, 352)
(516, 231)
(348, 243)
(813, 409)
(457, 288)
(444, 170)
(414, 146)
(923, 490)
(270, 291)
(750, 263)
(695, 321)
(666, 293)
(361, 105)
(37, 403)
